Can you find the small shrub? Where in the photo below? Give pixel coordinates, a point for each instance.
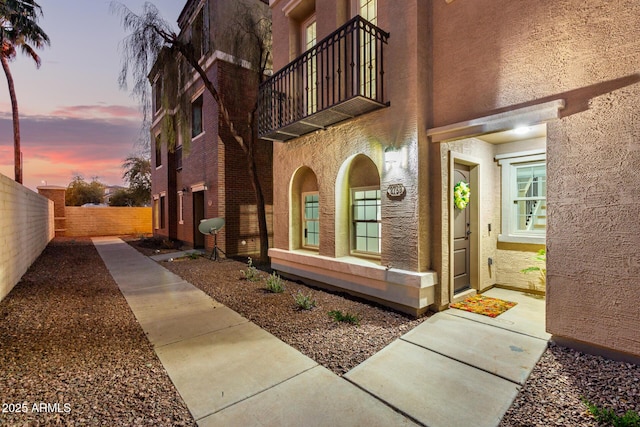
(304, 302)
(193, 255)
(542, 271)
(274, 283)
(251, 273)
(338, 316)
(607, 416)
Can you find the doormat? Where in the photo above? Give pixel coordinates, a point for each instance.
(487, 306)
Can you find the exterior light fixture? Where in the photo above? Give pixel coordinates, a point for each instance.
(392, 155)
(521, 130)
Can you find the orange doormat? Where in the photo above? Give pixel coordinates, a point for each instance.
(488, 306)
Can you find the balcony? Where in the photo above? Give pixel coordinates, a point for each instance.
(341, 77)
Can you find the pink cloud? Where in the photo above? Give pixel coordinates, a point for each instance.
(57, 146)
(98, 112)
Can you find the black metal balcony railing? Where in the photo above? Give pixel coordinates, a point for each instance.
(341, 77)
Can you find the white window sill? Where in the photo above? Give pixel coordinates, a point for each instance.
(197, 137)
(510, 238)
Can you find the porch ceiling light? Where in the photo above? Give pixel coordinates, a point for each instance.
(521, 130)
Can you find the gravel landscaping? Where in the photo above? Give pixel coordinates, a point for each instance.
(68, 339)
(552, 396)
(338, 346)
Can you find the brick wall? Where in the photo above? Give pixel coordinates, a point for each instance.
(26, 226)
(107, 221)
(239, 93)
(215, 160)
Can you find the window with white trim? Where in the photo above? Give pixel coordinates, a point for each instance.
(196, 117)
(524, 197)
(161, 208)
(180, 207)
(368, 9)
(311, 220)
(366, 217)
(156, 211)
(157, 94)
(311, 73)
(158, 150)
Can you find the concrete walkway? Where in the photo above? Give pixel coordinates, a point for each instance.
(227, 369)
(459, 368)
(455, 369)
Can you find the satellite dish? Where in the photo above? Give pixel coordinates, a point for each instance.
(211, 226)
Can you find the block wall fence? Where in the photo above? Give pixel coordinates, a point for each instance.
(107, 221)
(26, 227)
(75, 221)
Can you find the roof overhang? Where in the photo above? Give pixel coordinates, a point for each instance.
(521, 117)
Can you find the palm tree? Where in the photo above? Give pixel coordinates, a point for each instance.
(19, 29)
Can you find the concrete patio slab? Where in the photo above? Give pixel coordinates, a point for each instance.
(222, 368)
(433, 389)
(528, 317)
(316, 397)
(508, 354)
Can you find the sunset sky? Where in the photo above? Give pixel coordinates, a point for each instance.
(74, 119)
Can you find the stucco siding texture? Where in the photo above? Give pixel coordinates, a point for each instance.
(328, 153)
(593, 259)
(492, 55)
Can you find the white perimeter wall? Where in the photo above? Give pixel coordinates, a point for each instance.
(26, 227)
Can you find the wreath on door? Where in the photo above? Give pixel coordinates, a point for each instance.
(461, 195)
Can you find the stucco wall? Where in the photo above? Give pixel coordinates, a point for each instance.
(587, 53)
(26, 227)
(107, 221)
(328, 153)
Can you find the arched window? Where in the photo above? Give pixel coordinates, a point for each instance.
(305, 202)
(365, 201)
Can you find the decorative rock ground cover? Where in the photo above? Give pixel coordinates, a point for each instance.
(72, 353)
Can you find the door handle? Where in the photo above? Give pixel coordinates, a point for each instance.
(468, 232)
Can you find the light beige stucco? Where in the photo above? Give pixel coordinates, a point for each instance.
(333, 154)
(514, 54)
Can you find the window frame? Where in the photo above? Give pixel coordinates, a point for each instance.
(162, 207)
(510, 163)
(353, 222)
(157, 95)
(158, 150)
(197, 99)
(311, 70)
(156, 212)
(304, 220)
(367, 50)
(180, 207)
